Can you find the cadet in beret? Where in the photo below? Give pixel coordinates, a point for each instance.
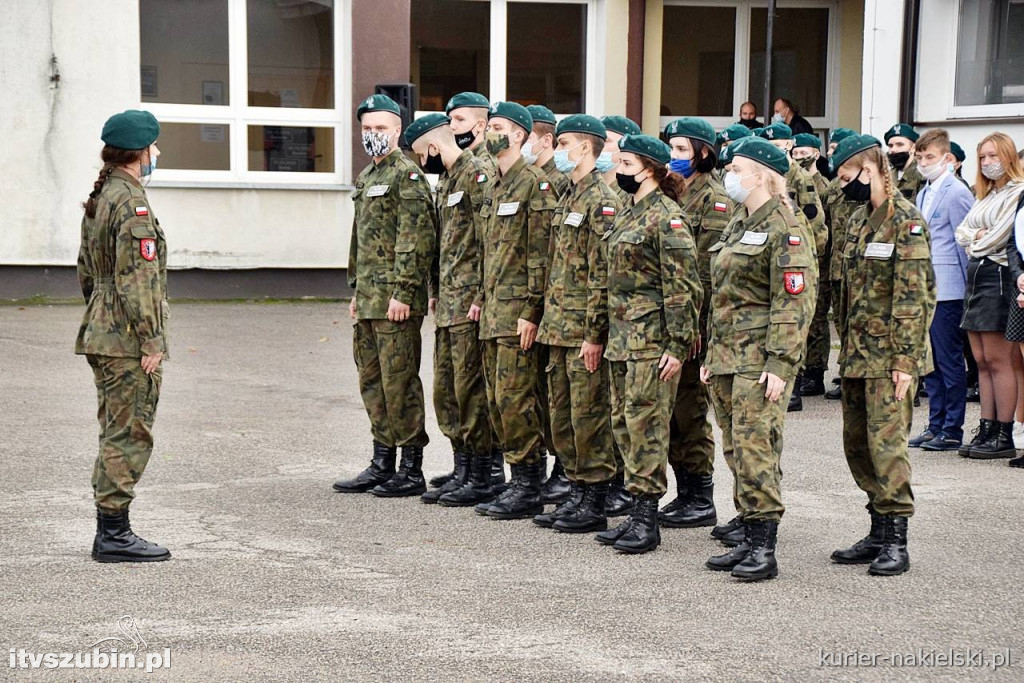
(958, 161)
(122, 267)
(575, 328)
(393, 237)
(764, 283)
(654, 300)
(884, 311)
(518, 217)
(468, 112)
(900, 141)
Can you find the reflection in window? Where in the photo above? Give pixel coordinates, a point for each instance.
(195, 146)
(697, 65)
(451, 47)
(291, 149)
(184, 51)
(990, 53)
(291, 53)
(799, 57)
(547, 55)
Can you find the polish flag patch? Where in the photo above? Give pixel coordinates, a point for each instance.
(544, 186)
(794, 282)
(721, 206)
(607, 210)
(794, 240)
(916, 229)
(147, 248)
(675, 224)
(141, 210)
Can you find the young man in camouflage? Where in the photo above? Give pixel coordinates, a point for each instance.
(389, 262)
(575, 328)
(901, 140)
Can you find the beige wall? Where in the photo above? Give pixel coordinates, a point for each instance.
(616, 36)
(851, 45)
(652, 67)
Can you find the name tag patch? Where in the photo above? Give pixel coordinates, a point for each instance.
(508, 208)
(454, 198)
(574, 219)
(378, 191)
(879, 250)
(754, 238)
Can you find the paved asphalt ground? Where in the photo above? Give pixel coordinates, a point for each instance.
(276, 577)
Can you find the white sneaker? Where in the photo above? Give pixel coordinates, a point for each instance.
(1018, 435)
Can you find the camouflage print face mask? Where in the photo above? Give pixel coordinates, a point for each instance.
(376, 144)
(497, 143)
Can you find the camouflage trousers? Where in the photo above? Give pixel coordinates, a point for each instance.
(460, 397)
(819, 340)
(511, 377)
(641, 414)
(387, 356)
(580, 410)
(691, 443)
(127, 399)
(875, 431)
(752, 443)
(543, 356)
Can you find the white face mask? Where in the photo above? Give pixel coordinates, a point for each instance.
(528, 156)
(932, 172)
(993, 171)
(778, 118)
(734, 186)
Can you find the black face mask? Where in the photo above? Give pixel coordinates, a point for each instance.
(857, 190)
(899, 159)
(464, 140)
(628, 183)
(434, 164)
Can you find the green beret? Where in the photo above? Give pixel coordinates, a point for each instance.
(901, 130)
(514, 112)
(756, 132)
(840, 134)
(777, 131)
(621, 125)
(725, 156)
(691, 127)
(957, 151)
(467, 99)
(542, 114)
(807, 140)
(378, 103)
(581, 123)
(851, 146)
(764, 153)
(646, 146)
(132, 129)
(424, 125)
(736, 131)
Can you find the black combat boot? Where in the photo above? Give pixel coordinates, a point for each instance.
(796, 403)
(1016, 462)
(835, 393)
(442, 479)
(382, 468)
(611, 536)
(498, 470)
(116, 542)
(814, 382)
(556, 488)
(759, 562)
(866, 549)
(731, 534)
(699, 507)
(548, 519)
(522, 498)
(893, 558)
(477, 489)
(726, 561)
(999, 444)
(589, 512)
(981, 434)
(682, 492)
(455, 483)
(619, 501)
(643, 535)
(408, 480)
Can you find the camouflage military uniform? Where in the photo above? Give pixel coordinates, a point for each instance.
(885, 311)
(839, 210)
(460, 398)
(518, 217)
(122, 267)
(392, 241)
(804, 196)
(557, 178)
(490, 163)
(576, 310)
(819, 337)
(764, 280)
(911, 183)
(654, 301)
(692, 446)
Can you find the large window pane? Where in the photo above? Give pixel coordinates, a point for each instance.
(698, 58)
(451, 48)
(292, 149)
(547, 55)
(291, 53)
(990, 52)
(799, 57)
(195, 146)
(184, 51)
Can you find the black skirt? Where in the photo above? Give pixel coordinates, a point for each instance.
(988, 296)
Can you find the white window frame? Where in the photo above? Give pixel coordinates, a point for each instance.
(973, 111)
(741, 74)
(239, 116)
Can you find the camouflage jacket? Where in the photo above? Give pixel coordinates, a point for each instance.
(839, 210)
(122, 268)
(888, 293)
(804, 196)
(518, 217)
(911, 183)
(576, 297)
(490, 163)
(764, 279)
(654, 291)
(457, 270)
(709, 210)
(558, 179)
(393, 237)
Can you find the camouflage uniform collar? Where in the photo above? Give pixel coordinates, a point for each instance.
(514, 171)
(636, 208)
(463, 160)
(125, 176)
(549, 166)
(700, 181)
(391, 158)
(586, 181)
(879, 215)
(762, 213)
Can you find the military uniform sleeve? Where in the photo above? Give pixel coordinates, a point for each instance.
(481, 189)
(417, 230)
(682, 293)
(596, 330)
(913, 296)
(794, 290)
(353, 248)
(542, 212)
(434, 281)
(85, 278)
(138, 277)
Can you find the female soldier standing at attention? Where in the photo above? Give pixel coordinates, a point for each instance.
(884, 311)
(122, 267)
(654, 297)
(764, 284)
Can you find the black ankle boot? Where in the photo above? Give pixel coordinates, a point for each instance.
(1016, 462)
(382, 468)
(589, 513)
(796, 403)
(998, 445)
(442, 479)
(698, 509)
(814, 382)
(611, 536)
(893, 558)
(619, 501)
(522, 499)
(643, 535)
(408, 480)
(866, 549)
(548, 519)
(722, 530)
(477, 489)
(982, 434)
(729, 559)
(498, 470)
(556, 488)
(759, 562)
(453, 484)
(116, 542)
(682, 492)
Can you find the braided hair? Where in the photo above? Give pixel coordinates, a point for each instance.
(112, 157)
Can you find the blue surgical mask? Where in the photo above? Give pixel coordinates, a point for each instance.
(604, 162)
(683, 167)
(528, 156)
(778, 118)
(147, 169)
(562, 161)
